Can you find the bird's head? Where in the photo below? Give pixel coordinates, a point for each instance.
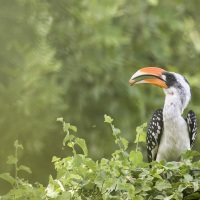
(175, 86)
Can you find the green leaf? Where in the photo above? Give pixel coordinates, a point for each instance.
(11, 160)
(8, 178)
(60, 119)
(108, 119)
(17, 145)
(140, 137)
(82, 144)
(109, 185)
(66, 127)
(52, 188)
(131, 191)
(24, 168)
(135, 157)
(159, 197)
(181, 187)
(189, 154)
(162, 185)
(146, 187)
(104, 161)
(68, 138)
(54, 159)
(196, 186)
(196, 164)
(116, 131)
(188, 177)
(140, 129)
(194, 196)
(91, 164)
(78, 160)
(73, 128)
(70, 144)
(138, 197)
(125, 143)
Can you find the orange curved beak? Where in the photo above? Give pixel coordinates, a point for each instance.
(150, 75)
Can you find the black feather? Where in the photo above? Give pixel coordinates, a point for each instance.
(192, 126)
(154, 133)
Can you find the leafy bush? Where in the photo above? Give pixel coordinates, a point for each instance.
(124, 176)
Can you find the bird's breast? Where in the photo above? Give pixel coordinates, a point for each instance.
(174, 141)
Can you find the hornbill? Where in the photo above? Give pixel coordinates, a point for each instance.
(169, 134)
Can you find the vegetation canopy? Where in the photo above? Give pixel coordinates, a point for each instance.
(124, 176)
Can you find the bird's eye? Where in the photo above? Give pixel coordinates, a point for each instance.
(169, 77)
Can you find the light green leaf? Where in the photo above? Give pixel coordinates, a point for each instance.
(195, 185)
(125, 143)
(109, 185)
(82, 144)
(116, 131)
(162, 185)
(11, 160)
(17, 145)
(157, 176)
(24, 168)
(104, 161)
(189, 154)
(59, 119)
(54, 159)
(182, 187)
(159, 197)
(66, 127)
(131, 191)
(138, 197)
(146, 187)
(188, 177)
(108, 119)
(78, 160)
(68, 138)
(140, 137)
(135, 157)
(70, 144)
(8, 178)
(196, 164)
(51, 191)
(74, 128)
(140, 129)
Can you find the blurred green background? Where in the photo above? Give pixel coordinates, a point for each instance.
(74, 58)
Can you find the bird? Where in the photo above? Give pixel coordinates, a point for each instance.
(169, 134)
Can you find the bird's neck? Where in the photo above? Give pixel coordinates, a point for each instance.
(173, 107)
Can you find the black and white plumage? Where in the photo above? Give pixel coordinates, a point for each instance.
(169, 134)
(155, 132)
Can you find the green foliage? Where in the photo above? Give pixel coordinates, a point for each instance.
(21, 189)
(73, 58)
(124, 176)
